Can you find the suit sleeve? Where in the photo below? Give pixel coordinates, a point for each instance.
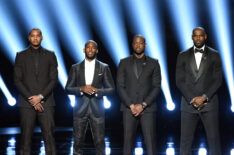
(156, 85)
(18, 77)
(180, 79)
(121, 85)
(71, 86)
(217, 78)
(108, 84)
(53, 77)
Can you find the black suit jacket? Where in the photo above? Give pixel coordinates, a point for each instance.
(192, 82)
(133, 89)
(102, 80)
(31, 80)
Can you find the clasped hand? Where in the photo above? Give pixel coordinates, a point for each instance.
(36, 102)
(199, 102)
(88, 89)
(136, 109)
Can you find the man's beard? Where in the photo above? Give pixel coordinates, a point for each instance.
(139, 53)
(90, 58)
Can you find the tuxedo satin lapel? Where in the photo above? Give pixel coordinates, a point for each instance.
(82, 74)
(203, 64)
(144, 64)
(40, 59)
(192, 62)
(96, 71)
(134, 67)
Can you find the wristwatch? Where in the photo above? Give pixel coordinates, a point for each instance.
(143, 106)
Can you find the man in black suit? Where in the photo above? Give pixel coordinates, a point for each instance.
(35, 76)
(89, 81)
(138, 84)
(198, 77)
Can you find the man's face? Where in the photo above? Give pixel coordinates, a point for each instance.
(35, 38)
(138, 45)
(199, 37)
(90, 50)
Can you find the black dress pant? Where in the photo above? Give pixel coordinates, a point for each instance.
(148, 126)
(28, 118)
(97, 125)
(189, 122)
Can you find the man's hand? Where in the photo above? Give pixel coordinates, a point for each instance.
(199, 102)
(39, 107)
(139, 109)
(88, 89)
(34, 99)
(133, 109)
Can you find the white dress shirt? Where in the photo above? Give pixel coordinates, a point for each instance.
(89, 71)
(198, 56)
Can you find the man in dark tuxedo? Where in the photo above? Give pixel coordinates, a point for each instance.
(198, 77)
(35, 76)
(138, 84)
(89, 81)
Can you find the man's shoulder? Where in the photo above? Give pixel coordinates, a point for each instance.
(102, 63)
(126, 59)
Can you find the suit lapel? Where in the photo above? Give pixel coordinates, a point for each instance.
(203, 64)
(96, 71)
(192, 62)
(82, 74)
(144, 64)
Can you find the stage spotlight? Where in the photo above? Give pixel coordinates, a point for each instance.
(107, 103)
(76, 30)
(71, 148)
(221, 22)
(147, 22)
(34, 17)
(232, 152)
(72, 100)
(9, 35)
(139, 149)
(42, 148)
(111, 28)
(202, 151)
(11, 146)
(170, 149)
(184, 19)
(11, 100)
(108, 149)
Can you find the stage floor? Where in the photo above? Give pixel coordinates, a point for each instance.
(10, 136)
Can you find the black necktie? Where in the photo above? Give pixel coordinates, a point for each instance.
(198, 50)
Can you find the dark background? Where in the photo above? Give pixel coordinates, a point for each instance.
(168, 122)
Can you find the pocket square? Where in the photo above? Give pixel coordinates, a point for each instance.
(100, 74)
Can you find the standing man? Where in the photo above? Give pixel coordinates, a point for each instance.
(35, 76)
(89, 81)
(138, 83)
(198, 77)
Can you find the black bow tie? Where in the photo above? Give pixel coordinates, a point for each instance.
(199, 50)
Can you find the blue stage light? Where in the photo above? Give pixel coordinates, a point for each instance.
(111, 28)
(232, 152)
(10, 99)
(170, 149)
(34, 17)
(221, 22)
(9, 35)
(108, 149)
(202, 150)
(107, 103)
(147, 22)
(11, 146)
(76, 30)
(139, 149)
(42, 148)
(184, 19)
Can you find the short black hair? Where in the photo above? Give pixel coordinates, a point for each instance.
(199, 28)
(37, 29)
(139, 35)
(91, 41)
